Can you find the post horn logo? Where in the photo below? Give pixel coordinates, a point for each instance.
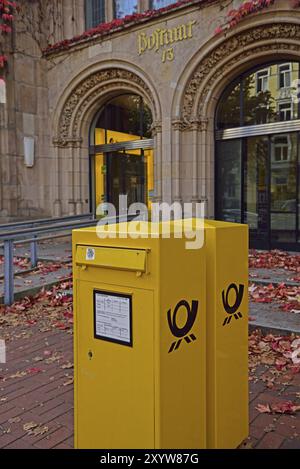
(183, 332)
(233, 310)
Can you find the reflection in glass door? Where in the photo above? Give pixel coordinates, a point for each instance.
(258, 184)
(256, 191)
(229, 181)
(283, 187)
(126, 175)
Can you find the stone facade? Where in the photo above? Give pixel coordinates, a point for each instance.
(54, 97)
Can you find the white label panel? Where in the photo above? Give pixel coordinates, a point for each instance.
(112, 313)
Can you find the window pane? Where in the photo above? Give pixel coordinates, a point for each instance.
(255, 190)
(156, 4)
(128, 115)
(229, 112)
(125, 7)
(259, 105)
(267, 95)
(229, 180)
(283, 187)
(94, 13)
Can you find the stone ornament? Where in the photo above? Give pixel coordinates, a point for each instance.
(277, 33)
(101, 82)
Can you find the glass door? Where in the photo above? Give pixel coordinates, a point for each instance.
(126, 175)
(257, 183)
(283, 188)
(256, 211)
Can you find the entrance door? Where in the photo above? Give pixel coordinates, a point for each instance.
(283, 188)
(126, 175)
(257, 185)
(256, 211)
(270, 201)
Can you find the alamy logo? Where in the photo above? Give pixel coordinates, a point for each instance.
(232, 310)
(183, 331)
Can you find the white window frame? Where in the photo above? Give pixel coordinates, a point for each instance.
(263, 78)
(285, 73)
(290, 109)
(282, 146)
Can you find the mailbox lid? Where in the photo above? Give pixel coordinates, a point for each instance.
(112, 257)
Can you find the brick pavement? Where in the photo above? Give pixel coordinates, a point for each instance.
(36, 392)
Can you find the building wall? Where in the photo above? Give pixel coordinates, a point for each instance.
(56, 97)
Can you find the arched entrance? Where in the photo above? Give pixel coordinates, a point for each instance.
(121, 153)
(257, 154)
(75, 120)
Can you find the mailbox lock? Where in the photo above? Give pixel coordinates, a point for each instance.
(90, 354)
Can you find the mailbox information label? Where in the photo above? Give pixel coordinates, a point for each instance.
(113, 317)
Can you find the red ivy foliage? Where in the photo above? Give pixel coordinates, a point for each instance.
(7, 15)
(105, 28)
(247, 8)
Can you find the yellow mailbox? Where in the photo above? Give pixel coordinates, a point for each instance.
(226, 247)
(140, 341)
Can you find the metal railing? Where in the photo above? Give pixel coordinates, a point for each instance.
(12, 235)
(32, 233)
(42, 221)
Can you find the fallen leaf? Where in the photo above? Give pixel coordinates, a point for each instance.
(19, 374)
(29, 426)
(40, 430)
(14, 420)
(263, 408)
(70, 381)
(67, 366)
(285, 407)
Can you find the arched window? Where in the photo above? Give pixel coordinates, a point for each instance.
(127, 115)
(124, 161)
(257, 154)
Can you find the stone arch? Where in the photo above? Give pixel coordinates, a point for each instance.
(232, 56)
(91, 92)
(75, 110)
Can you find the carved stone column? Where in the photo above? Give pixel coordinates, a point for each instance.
(176, 151)
(57, 209)
(157, 135)
(67, 192)
(195, 131)
(77, 177)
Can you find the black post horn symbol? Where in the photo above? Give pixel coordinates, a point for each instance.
(182, 332)
(232, 310)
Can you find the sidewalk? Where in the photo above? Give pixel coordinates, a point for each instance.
(55, 257)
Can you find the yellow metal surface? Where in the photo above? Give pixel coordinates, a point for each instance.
(151, 394)
(227, 333)
(113, 258)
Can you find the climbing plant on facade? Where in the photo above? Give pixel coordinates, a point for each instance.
(8, 11)
(234, 16)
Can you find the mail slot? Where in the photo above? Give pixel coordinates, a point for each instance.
(140, 341)
(112, 258)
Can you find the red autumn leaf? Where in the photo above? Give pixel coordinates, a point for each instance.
(61, 326)
(295, 369)
(34, 371)
(285, 407)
